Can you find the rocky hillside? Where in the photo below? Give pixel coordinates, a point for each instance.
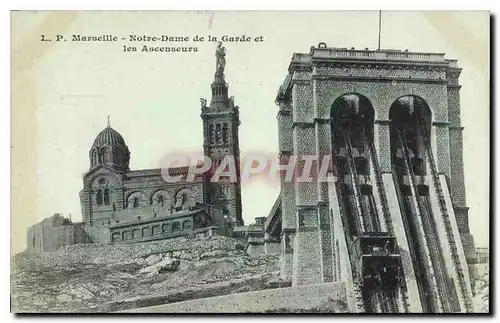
(96, 278)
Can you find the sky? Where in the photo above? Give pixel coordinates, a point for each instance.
(64, 91)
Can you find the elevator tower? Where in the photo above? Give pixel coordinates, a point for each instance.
(392, 223)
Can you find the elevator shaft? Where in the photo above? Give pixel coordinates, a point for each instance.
(429, 230)
(362, 212)
(376, 267)
(415, 247)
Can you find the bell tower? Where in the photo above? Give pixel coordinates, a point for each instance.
(221, 143)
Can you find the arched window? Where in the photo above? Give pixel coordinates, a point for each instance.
(184, 200)
(161, 200)
(117, 156)
(106, 156)
(106, 196)
(218, 133)
(211, 133)
(225, 137)
(136, 202)
(98, 197)
(224, 191)
(94, 160)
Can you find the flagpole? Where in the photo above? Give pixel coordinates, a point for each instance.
(379, 27)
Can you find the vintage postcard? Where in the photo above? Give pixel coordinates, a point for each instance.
(250, 162)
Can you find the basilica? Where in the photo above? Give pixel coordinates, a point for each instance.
(120, 205)
(124, 200)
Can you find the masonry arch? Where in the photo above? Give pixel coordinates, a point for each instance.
(94, 161)
(106, 156)
(104, 178)
(351, 111)
(410, 133)
(352, 142)
(161, 198)
(351, 117)
(135, 200)
(184, 199)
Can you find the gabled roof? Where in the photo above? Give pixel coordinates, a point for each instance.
(158, 171)
(99, 167)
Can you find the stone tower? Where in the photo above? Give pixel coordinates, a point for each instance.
(102, 192)
(220, 131)
(392, 222)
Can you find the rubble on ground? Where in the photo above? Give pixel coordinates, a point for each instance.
(102, 278)
(481, 289)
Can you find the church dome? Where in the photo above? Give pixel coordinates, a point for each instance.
(109, 149)
(109, 137)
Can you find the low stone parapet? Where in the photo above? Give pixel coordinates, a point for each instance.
(320, 298)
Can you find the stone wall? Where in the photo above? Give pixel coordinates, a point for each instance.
(183, 224)
(96, 234)
(49, 235)
(255, 249)
(147, 192)
(321, 298)
(272, 248)
(46, 236)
